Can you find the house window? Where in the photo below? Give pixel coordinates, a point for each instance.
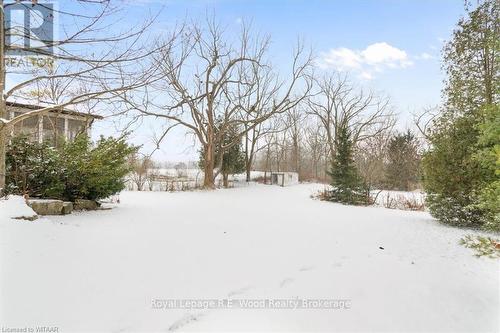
(28, 127)
(53, 129)
(75, 127)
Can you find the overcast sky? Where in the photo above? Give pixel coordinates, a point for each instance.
(391, 46)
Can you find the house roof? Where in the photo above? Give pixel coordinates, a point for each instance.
(61, 110)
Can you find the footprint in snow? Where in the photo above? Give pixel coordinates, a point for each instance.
(239, 291)
(286, 282)
(187, 319)
(306, 268)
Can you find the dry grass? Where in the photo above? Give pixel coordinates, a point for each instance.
(403, 202)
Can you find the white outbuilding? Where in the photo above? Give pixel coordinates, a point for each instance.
(284, 178)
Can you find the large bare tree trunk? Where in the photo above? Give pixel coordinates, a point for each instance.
(249, 163)
(208, 181)
(250, 150)
(296, 155)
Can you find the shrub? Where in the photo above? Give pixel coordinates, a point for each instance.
(488, 156)
(76, 170)
(483, 246)
(95, 172)
(32, 168)
(489, 202)
(451, 175)
(462, 171)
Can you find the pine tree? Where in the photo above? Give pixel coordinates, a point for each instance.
(488, 157)
(403, 162)
(455, 179)
(348, 186)
(233, 160)
(451, 175)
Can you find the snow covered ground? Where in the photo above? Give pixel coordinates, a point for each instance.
(15, 207)
(102, 271)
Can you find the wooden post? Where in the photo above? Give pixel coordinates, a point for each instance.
(40, 128)
(66, 128)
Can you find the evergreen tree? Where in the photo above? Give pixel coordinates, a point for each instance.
(470, 60)
(403, 162)
(451, 175)
(233, 157)
(95, 171)
(233, 160)
(348, 186)
(488, 157)
(459, 182)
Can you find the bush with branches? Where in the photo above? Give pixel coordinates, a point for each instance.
(77, 170)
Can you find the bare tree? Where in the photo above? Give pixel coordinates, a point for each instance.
(338, 104)
(294, 130)
(315, 141)
(140, 174)
(152, 174)
(267, 150)
(286, 147)
(208, 81)
(255, 141)
(181, 170)
(424, 121)
(89, 62)
(280, 151)
(371, 156)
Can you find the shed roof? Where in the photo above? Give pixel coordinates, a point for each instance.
(61, 110)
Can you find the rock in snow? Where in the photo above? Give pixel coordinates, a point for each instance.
(46, 206)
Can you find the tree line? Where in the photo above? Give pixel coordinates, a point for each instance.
(222, 86)
(247, 112)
